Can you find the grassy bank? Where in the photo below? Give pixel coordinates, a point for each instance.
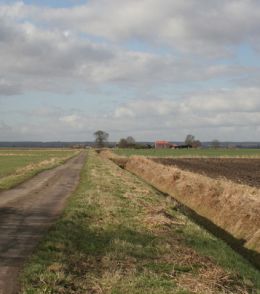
(118, 235)
(18, 165)
(210, 152)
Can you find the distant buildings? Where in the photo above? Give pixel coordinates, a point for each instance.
(78, 146)
(164, 144)
(167, 145)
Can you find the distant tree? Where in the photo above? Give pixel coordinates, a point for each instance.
(196, 144)
(101, 138)
(192, 142)
(129, 142)
(215, 144)
(189, 140)
(123, 143)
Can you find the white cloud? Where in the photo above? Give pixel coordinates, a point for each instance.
(4, 128)
(8, 88)
(204, 26)
(36, 59)
(149, 46)
(224, 114)
(242, 100)
(45, 49)
(198, 111)
(237, 100)
(124, 112)
(73, 120)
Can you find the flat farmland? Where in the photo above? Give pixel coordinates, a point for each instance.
(17, 165)
(116, 235)
(210, 152)
(239, 170)
(119, 235)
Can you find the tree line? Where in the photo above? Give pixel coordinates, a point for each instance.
(101, 140)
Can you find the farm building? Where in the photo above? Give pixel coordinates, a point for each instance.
(162, 144)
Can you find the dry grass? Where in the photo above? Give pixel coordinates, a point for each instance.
(233, 207)
(118, 235)
(119, 160)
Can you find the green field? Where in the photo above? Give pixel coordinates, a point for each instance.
(17, 165)
(118, 235)
(222, 152)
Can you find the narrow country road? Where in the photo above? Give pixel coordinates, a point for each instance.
(27, 211)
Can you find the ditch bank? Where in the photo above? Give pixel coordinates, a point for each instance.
(227, 209)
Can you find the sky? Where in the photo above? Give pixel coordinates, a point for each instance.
(150, 69)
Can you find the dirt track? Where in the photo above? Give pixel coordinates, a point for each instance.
(27, 211)
(239, 170)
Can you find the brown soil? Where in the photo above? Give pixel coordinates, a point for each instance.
(27, 211)
(240, 170)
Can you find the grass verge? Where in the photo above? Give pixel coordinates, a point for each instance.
(118, 235)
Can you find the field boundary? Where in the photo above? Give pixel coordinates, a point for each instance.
(232, 207)
(190, 153)
(229, 210)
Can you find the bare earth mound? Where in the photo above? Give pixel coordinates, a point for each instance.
(240, 170)
(27, 211)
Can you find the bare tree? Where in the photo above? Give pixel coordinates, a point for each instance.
(215, 144)
(189, 140)
(101, 138)
(123, 143)
(130, 141)
(196, 144)
(127, 143)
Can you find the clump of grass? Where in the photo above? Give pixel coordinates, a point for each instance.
(118, 235)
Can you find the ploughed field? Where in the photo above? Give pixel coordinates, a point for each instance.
(191, 152)
(239, 170)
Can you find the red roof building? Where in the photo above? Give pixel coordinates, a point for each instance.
(162, 144)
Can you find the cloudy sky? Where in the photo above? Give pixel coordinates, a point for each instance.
(151, 69)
